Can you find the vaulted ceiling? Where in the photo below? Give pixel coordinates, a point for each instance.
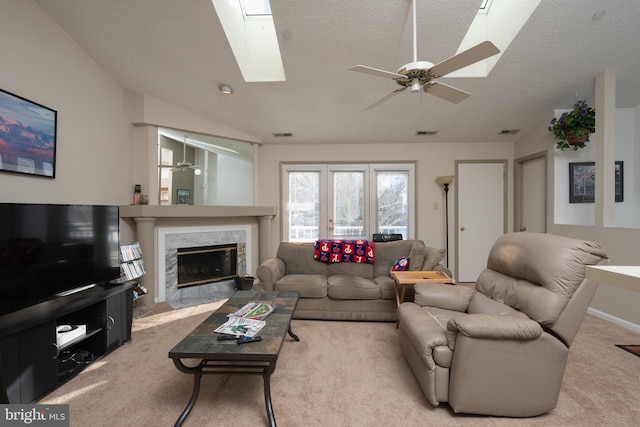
(177, 51)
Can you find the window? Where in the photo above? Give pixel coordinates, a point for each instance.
(323, 201)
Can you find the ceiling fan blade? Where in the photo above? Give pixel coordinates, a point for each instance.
(470, 56)
(384, 98)
(446, 92)
(375, 71)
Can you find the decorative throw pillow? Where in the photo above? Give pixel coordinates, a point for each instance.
(401, 264)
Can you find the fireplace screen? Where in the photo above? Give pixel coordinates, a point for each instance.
(207, 264)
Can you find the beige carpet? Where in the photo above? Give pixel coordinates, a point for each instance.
(339, 374)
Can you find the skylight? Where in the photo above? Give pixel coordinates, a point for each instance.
(501, 25)
(484, 6)
(256, 7)
(251, 33)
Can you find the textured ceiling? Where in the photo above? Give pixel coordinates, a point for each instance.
(178, 52)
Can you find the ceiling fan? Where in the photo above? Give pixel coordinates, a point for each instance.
(421, 75)
(183, 165)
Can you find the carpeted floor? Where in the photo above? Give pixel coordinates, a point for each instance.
(631, 348)
(339, 374)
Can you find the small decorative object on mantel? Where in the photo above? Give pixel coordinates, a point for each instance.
(572, 129)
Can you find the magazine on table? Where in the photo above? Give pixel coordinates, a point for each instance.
(254, 310)
(239, 326)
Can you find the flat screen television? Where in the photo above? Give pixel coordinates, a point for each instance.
(47, 250)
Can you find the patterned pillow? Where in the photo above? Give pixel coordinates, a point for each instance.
(401, 264)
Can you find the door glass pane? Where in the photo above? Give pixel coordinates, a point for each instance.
(304, 206)
(393, 193)
(348, 205)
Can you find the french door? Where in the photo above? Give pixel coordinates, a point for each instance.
(350, 201)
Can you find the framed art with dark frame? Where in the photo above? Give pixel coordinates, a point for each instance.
(27, 136)
(582, 182)
(182, 197)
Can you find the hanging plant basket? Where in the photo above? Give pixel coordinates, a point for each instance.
(577, 137)
(572, 128)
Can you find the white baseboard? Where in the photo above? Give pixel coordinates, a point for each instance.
(616, 320)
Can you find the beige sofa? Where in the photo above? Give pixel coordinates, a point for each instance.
(345, 290)
(501, 348)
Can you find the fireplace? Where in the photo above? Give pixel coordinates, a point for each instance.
(196, 238)
(206, 264)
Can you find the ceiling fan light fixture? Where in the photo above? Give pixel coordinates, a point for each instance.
(225, 89)
(415, 85)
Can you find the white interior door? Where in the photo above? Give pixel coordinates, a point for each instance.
(533, 199)
(480, 214)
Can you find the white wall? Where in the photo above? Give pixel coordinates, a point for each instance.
(42, 63)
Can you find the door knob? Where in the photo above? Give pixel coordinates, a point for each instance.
(462, 228)
(330, 228)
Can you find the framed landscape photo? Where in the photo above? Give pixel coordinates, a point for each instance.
(182, 197)
(27, 136)
(582, 182)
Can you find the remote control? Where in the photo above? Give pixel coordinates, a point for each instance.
(248, 339)
(226, 337)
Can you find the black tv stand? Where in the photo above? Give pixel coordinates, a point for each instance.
(75, 290)
(34, 361)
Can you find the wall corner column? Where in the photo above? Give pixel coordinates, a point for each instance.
(605, 94)
(265, 238)
(146, 237)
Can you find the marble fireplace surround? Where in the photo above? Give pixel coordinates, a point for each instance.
(170, 239)
(148, 219)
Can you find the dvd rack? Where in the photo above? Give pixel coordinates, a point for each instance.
(132, 267)
(132, 264)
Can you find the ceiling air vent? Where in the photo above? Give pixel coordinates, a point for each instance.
(508, 131)
(282, 134)
(426, 132)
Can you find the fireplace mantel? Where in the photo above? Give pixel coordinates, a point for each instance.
(147, 217)
(188, 211)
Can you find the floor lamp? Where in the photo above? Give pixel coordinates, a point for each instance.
(445, 181)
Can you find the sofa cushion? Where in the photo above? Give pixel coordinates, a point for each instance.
(388, 288)
(351, 287)
(309, 285)
(417, 254)
(354, 269)
(298, 259)
(432, 257)
(388, 252)
(537, 273)
(449, 297)
(481, 304)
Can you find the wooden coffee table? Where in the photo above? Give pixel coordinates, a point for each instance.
(404, 278)
(228, 357)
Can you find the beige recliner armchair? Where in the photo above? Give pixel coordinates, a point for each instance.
(501, 348)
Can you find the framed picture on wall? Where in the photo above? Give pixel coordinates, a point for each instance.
(27, 136)
(582, 182)
(182, 197)
(619, 182)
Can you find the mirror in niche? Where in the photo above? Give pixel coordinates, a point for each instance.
(216, 171)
